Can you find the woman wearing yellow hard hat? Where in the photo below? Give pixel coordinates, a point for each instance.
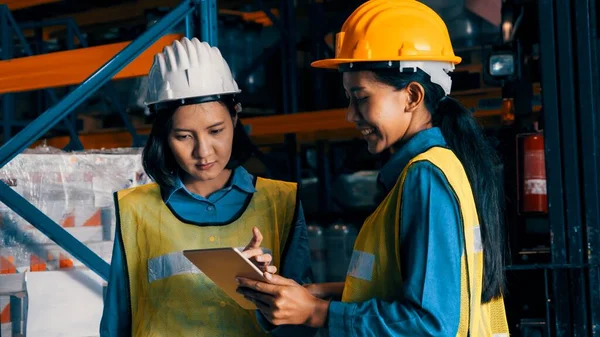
(201, 198)
(429, 260)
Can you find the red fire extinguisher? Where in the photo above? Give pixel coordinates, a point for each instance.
(534, 198)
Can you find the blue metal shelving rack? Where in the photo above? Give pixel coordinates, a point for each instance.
(192, 11)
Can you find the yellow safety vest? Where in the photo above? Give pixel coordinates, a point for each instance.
(169, 295)
(375, 268)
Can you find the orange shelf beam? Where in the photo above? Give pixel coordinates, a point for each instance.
(308, 126)
(131, 10)
(72, 67)
(14, 5)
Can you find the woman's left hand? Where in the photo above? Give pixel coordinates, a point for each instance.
(283, 301)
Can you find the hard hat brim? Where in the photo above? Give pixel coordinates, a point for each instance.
(177, 102)
(335, 62)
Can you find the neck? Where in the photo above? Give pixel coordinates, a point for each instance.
(412, 130)
(205, 188)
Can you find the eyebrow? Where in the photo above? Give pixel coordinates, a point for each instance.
(182, 130)
(216, 124)
(355, 89)
(190, 130)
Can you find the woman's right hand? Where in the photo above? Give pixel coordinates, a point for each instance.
(254, 253)
(329, 290)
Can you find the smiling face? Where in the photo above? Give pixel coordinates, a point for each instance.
(201, 139)
(380, 112)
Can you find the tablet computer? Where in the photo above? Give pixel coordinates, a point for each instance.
(222, 266)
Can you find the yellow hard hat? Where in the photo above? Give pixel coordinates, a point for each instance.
(392, 30)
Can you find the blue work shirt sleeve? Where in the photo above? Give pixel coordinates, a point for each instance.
(296, 265)
(116, 317)
(431, 250)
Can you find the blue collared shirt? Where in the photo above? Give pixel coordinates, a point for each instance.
(219, 207)
(430, 253)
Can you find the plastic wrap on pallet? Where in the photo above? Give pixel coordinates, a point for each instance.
(75, 190)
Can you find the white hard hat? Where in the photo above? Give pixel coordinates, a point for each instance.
(188, 72)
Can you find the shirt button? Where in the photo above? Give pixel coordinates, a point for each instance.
(210, 208)
(212, 239)
(223, 304)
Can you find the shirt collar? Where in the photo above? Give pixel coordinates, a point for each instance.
(240, 179)
(416, 145)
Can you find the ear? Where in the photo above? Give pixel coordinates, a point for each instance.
(415, 96)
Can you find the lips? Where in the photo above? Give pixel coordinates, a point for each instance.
(206, 166)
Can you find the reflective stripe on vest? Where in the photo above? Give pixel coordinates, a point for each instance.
(169, 295)
(375, 270)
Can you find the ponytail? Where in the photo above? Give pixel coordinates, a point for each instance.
(466, 139)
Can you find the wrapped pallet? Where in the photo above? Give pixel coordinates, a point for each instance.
(75, 190)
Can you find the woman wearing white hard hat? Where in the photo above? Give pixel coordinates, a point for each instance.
(201, 198)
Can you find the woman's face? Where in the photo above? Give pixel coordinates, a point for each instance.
(377, 109)
(201, 139)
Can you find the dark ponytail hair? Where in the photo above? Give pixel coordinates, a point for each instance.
(158, 160)
(466, 139)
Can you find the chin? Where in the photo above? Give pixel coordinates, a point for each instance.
(204, 175)
(375, 148)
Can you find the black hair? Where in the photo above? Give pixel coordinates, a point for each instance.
(157, 157)
(466, 139)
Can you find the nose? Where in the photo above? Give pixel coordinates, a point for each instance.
(202, 148)
(352, 115)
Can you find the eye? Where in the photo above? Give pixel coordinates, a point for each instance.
(361, 99)
(182, 137)
(215, 132)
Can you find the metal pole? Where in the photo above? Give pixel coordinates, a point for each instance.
(324, 174)
(208, 21)
(53, 115)
(110, 90)
(316, 29)
(16, 315)
(547, 304)
(571, 159)
(40, 49)
(288, 65)
(71, 120)
(556, 216)
(51, 229)
(82, 40)
(189, 26)
(588, 93)
(213, 23)
(290, 25)
(8, 101)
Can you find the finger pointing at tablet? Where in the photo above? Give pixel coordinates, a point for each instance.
(254, 253)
